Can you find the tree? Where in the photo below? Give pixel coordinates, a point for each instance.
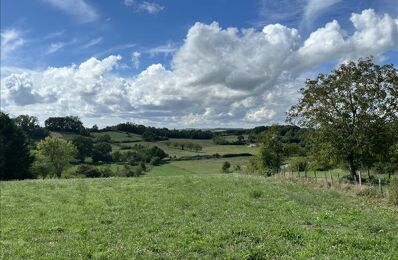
(101, 152)
(225, 167)
(241, 139)
(55, 153)
(66, 124)
(84, 146)
(271, 153)
(15, 158)
(354, 110)
(30, 126)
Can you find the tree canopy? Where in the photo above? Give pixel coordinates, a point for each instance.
(55, 154)
(354, 110)
(15, 158)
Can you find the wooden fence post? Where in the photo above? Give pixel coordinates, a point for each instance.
(360, 179)
(331, 177)
(381, 188)
(326, 178)
(316, 179)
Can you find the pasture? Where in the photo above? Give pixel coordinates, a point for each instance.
(178, 213)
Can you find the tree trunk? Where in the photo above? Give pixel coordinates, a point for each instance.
(352, 167)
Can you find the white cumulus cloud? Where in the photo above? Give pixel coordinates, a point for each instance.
(218, 76)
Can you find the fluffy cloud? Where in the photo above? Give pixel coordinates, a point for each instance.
(218, 76)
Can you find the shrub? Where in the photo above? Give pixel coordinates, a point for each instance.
(299, 164)
(104, 138)
(101, 152)
(225, 167)
(88, 171)
(116, 156)
(237, 168)
(130, 171)
(106, 172)
(155, 161)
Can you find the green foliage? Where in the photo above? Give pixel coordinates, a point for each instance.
(131, 171)
(65, 124)
(55, 154)
(323, 155)
(30, 126)
(15, 158)
(226, 166)
(154, 152)
(190, 146)
(385, 168)
(155, 161)
(101, 152)
(117, 156)
(271, 155)
(88, 171)
(106, 138)
(353, 110)
(220, 140)
(150, 136)
(84, 146)
(299, 164)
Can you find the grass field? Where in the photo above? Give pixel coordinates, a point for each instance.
(189, 215)
(209, 148)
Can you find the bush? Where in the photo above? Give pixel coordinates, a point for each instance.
(101, 152)
(225, 167)
(106, 172)
(104, 138)
(155, 161)
(130, 171)
(393, 191)
(299, 164)
(88, 171)
(116, 156)
(237, 168)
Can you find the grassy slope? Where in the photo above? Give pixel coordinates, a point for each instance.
(189, 216)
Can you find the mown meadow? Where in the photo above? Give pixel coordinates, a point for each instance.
(176, 213)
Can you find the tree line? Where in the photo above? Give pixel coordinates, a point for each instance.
(26, 154)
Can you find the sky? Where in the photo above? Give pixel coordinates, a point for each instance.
(181, 63)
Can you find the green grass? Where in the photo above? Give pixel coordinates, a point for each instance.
(209, 166)
(209, 148)
(120, 136)
(190, 216)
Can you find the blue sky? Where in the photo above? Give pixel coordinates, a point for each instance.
(106, 56)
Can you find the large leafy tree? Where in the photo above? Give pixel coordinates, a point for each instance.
(55, 154)
(84, 147)
(354, 110)
(15, 158)
(30, 126)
